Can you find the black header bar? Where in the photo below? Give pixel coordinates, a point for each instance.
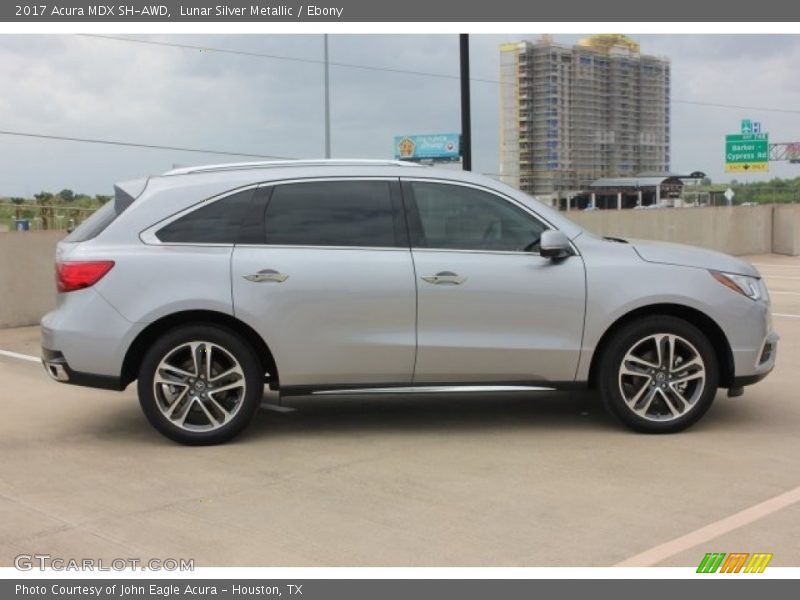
(400, 11)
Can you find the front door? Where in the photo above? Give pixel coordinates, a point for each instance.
(490, 308)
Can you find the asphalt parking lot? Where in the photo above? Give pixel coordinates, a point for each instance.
(513, 480)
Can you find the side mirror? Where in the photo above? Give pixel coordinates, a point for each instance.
(554, 244)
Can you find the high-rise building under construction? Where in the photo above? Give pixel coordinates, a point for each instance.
(572, 114)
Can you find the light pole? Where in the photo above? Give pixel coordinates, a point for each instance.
(327, 103)
(466, 127)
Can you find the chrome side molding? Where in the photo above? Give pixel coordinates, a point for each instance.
(436, 389)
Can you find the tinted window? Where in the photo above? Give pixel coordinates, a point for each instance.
(102, 217)
(92, 226)
(217, 223)
(464, 218)
(331, 213)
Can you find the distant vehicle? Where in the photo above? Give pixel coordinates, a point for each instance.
(350, 277)
(749, 204)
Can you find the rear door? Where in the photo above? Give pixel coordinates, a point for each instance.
(490, 308)
(325, 276)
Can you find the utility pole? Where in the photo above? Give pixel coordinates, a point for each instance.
(466, 127)
(327, 103)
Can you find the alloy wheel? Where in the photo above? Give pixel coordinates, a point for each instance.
(661, 377)
(199, 386)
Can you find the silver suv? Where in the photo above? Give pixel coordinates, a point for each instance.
(349, 277)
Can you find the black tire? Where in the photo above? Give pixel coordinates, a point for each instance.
(247, 400)
(611, 384)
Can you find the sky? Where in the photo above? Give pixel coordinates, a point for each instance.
(78, 86)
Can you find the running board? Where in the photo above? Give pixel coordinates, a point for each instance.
(435, 389)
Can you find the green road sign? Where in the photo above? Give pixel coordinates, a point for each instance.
(747, 152)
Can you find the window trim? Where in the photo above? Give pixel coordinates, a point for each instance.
(415, 222)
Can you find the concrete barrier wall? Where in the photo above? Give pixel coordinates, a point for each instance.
(734, 230)
(27, 288)
(27, 282)
(786, 230)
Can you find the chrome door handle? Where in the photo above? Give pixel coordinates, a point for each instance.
(266, 275)
(445, 277)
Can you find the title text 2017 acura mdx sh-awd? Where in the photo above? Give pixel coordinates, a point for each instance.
(205, 283)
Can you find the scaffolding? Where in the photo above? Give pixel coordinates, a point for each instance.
(572, 114)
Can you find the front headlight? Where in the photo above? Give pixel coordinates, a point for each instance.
(743, 284)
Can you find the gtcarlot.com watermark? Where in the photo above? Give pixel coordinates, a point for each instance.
(42, 562)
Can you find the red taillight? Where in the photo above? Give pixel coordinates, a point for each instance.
(76, 275)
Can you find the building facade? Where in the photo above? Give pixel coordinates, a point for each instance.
(572, 114)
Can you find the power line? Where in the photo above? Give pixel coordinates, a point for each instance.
(740, 107)
(278, 57)
(388, 69)
(136, 145)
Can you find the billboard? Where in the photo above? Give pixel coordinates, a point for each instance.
(433, 146)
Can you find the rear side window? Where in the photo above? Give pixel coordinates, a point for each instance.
(216, 223)
(97, 222)
(331, 213)
(102, 217)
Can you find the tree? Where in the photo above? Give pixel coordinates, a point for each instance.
(66, 195)
(17, 200)
(102, 199)
(45, 201)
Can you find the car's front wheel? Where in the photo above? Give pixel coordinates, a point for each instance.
(658, 374)
(200, 384)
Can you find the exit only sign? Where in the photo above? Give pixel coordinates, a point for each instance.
(747, 152)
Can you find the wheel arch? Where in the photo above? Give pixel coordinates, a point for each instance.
(138, 348)
(696, 317)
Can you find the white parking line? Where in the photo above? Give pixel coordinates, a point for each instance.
(786, 315)
(655, 555)
(781, 277)
(10, 354)
(785, 293)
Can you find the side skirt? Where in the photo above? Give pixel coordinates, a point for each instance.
(428, 388)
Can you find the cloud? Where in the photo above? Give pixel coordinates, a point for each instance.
(90, 87)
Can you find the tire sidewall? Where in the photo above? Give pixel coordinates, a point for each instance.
(624, 340)
(230, 341)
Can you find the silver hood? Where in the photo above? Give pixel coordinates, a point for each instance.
(692, 256)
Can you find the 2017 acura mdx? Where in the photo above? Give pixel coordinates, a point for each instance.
(204, 284)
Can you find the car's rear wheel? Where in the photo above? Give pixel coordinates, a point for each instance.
(200, 384)
(658, 374)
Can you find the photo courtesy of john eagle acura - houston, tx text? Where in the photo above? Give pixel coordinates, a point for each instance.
(206, 284)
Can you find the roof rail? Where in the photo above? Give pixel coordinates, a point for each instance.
(267, 164)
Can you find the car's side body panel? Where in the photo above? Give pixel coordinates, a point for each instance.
(619, 282)
(515, 317)
(363, 316)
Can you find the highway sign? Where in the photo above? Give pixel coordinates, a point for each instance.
(747, 151)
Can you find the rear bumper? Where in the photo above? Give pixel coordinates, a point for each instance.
(56, 366)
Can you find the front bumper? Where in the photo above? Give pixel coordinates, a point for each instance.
(762, 362)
